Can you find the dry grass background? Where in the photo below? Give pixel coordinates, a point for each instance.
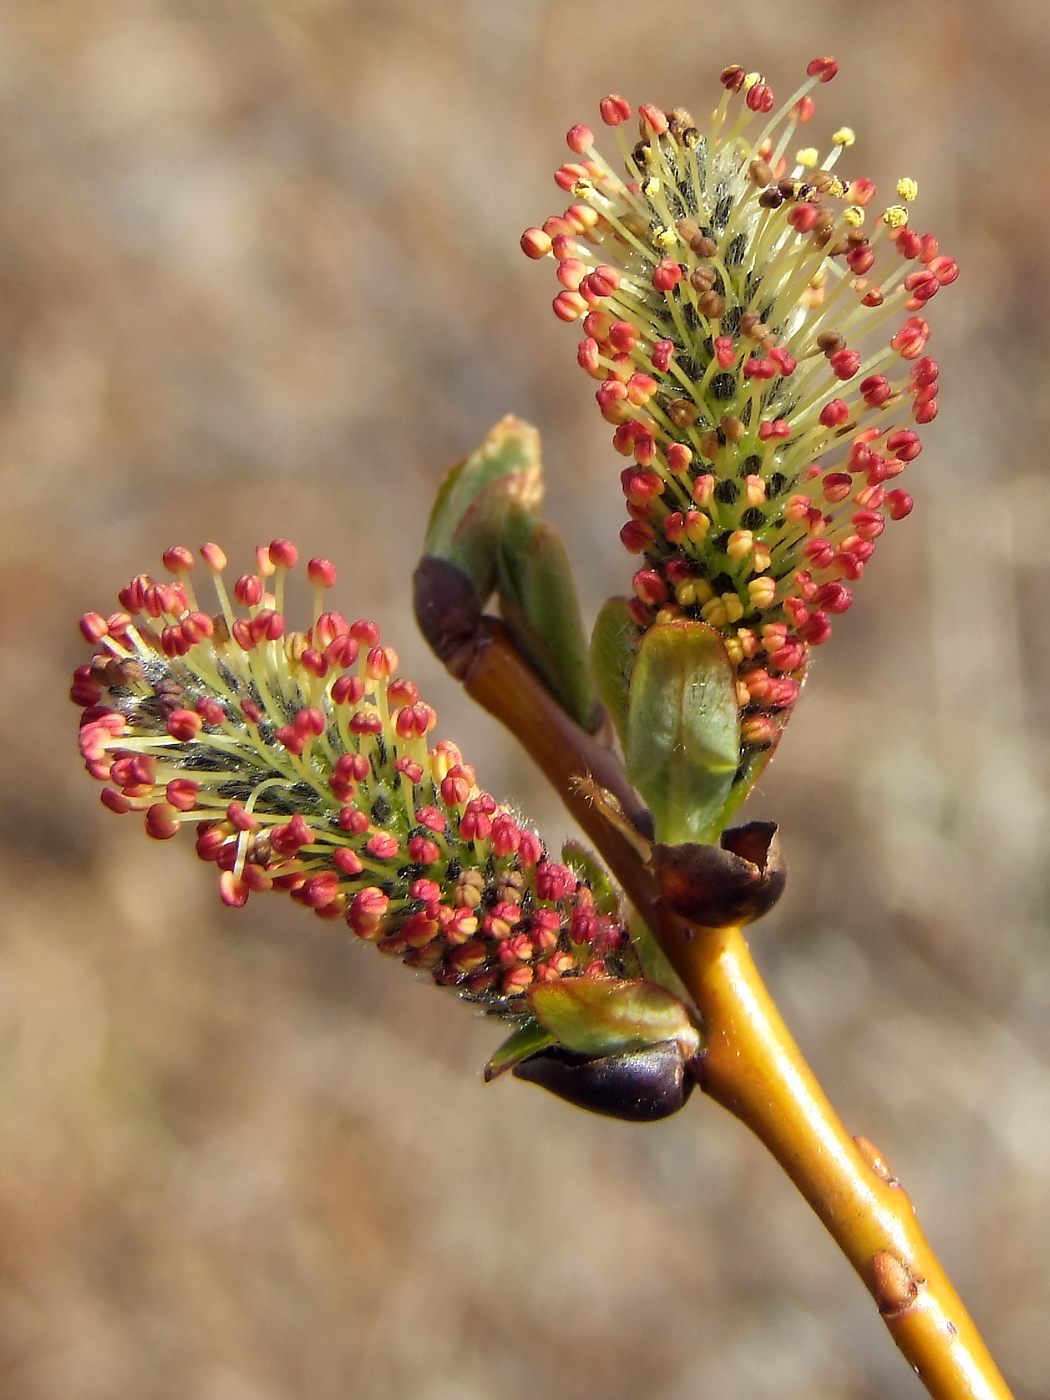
(260, 275)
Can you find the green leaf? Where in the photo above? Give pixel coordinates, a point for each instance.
(469, 515)
(683, 729)
(538, 601)
(613, 644)
(604, 1017)
(525, 1041)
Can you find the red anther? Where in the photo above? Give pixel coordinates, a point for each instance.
(579, 139)
(898, 504)
(232, 891)
(364, 632)
(85, 690)
(242, 819)
(283, 552)
(662, 353)
(506, 834)
(380, 663)
(823, 68)
(255, 878)
(313, 661)
(760, 368)
(214, 557)
(348, 861)
(571, 273)
(318, 890)
(535, 243)
(365, 722)
(876, 389)
(611, 399)
(554, 882)
(456, 787)
(582, 217)
(844, 363)
(733, 77)
(402, 692)
(321, 572)
(803, 216)
(266, 626)
(431, 818)
(640, 389)
(928, 247)
(132, 597)
(858, 548)
(779, 428)
(412, 770)
(650, 587)
(796, 611)
(242, 634)
(182, 794)
(115, 801)
(674, 527)
(785, 362)
(198, 627)
(861, 192)
(907, 242)
(667, 274)
(837, 487)
(161, 821)
(925, 412)
(614, 109)
(475, 825)
(94, 627)
(564, 246)
(801, 112)
(724, 351)
(569, 306)
(587, 355)
(341, 651)
(904, 444)
(874, 297)
(819, 552)
(556, 226)
(910, 341)
(678, 458)
(184, 725)
(945, 269)
(173, 643)
(835, 413)
(636, 536)
(248, 590)
(566, 176)
(178, 559)
(923, 285)
(788, 657)
(816, 629)
(925, 371)
(833, 597)
(760, 97)
(654, 118)
(310, 720)
(860, 260)
(292, 741)
(210, 711)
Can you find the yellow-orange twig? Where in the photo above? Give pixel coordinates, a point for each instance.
(751, 1064)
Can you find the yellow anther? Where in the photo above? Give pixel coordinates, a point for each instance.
(685, 593)
(761, 558)
(836, 189)
(807, 157)
(733, 606)
(751, 80)
(762, 592)
(714, 613)
(582, 188)
(845, 136)
(743, 695)
(704, 591)
(697, 525)
(854, 216)
(734, 650)
(896, 216)
(907, 189)
(665, 237)
(754, 490)
(650, 187)
(740, 544)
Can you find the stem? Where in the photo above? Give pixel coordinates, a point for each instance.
(751, 1065)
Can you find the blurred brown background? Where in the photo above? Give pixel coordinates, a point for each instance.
(260, 276)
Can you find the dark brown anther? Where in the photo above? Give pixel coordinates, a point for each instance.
(712, 305)
(639, 1086)
(447, 611)
(857, 238)
(679, 122)
(683, 413)
(722, 886)
(830, 342)
(822, 181)
(760, 174)
(771, 199)
(704, 246)
(749, 323)
(702, 279)
(690, 137)
(788, 189)
(641, 155)
(733, 427)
